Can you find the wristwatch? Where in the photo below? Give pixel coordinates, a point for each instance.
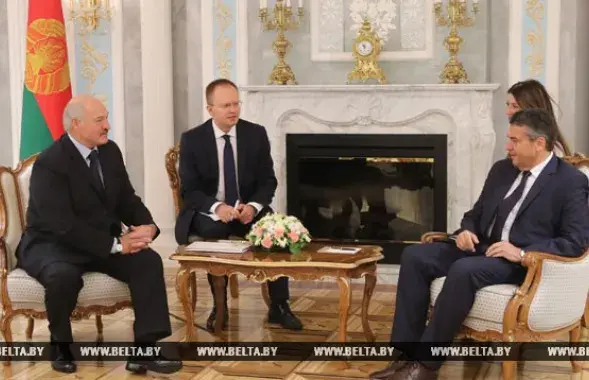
(522, 253)
(119, 246)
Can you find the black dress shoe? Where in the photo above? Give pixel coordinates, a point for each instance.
(398, 362)
(415, 371)
(157, 364)
(213, 317)
(389, 371)
(62, 359)
(64, 363)
(282, 315)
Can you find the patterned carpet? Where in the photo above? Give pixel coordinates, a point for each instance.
(317, 306)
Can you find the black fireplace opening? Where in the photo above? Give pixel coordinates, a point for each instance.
(364, 189)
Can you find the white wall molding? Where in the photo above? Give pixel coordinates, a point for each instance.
(552, 61)
(17, 12)
(158, 106)
(516, 9)
(118, 76)
(242, 45)
(70, 34)
(208, 71)
(315, 9)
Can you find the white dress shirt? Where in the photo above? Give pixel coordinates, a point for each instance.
(534, 174)
(220, 196)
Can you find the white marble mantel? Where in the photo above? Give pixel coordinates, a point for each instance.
(463, 112)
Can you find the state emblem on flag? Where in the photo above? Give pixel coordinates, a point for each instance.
(47, 69)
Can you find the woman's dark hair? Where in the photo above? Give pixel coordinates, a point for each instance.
(532, 94)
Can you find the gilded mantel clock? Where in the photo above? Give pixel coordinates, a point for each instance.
(366, 49)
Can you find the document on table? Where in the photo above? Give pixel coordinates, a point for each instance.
(340, 250)
(224, 246)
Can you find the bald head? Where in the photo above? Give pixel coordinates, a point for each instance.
(86, 119)
(76, 108)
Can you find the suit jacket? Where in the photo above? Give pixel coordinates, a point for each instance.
(199, 170)
(553, 218)
(69, 218)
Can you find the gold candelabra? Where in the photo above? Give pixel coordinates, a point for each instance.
(282, 21)
(88, 14)
(456, 17)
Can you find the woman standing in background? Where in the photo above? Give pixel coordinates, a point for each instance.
(532, 94)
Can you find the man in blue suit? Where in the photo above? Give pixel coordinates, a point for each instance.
(531, 201)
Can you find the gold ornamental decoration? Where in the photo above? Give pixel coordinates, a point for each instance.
(47, 69)
(456, 17)
(366, 50)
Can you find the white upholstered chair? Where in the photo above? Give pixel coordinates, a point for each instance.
(21, 294)
(551, 301)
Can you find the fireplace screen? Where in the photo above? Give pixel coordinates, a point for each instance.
(366, 198)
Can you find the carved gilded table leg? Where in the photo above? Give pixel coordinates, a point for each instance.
(345, 298)
(193, 289)
(220, 287)
(182, 283)
(369, 284)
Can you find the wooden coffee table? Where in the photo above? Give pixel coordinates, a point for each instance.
(262, 267)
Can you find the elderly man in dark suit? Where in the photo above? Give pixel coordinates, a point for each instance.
(80, 195)
(227, 184)
(531, 201)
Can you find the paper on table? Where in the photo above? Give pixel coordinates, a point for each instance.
(226, 246)
(340, 250)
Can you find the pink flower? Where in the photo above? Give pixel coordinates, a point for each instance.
(258, 231)
(267, 242)
(294, 237)
(278, 232)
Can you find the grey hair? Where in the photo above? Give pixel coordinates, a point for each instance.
(74, 110)
(536, 134)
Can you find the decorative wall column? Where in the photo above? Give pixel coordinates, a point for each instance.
(17, 12)
(96, 64)
(158, 106)
(534, 42)
(224, 41)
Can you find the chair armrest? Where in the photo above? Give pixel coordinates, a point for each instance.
(518, 309)
(432, 236)
(535, 258)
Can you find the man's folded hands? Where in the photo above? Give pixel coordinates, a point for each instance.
(137, 238)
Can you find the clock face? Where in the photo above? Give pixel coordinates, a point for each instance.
(364, 48)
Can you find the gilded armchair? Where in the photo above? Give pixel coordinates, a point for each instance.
(21, 294)
(551, 301)
(172, 162)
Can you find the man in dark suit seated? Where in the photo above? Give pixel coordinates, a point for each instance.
(79, 195)
(227, 184)
(531, 201)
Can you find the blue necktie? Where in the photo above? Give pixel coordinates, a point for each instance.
(229, 172)
(505, 207)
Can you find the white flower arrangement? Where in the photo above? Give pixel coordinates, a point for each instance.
(279, 231)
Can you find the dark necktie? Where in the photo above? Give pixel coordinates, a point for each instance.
(95, 169)
(229, 173)
(505, 207)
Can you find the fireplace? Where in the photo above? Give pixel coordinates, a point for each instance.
(368, 188)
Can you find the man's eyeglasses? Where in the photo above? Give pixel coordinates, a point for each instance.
(227, 106)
